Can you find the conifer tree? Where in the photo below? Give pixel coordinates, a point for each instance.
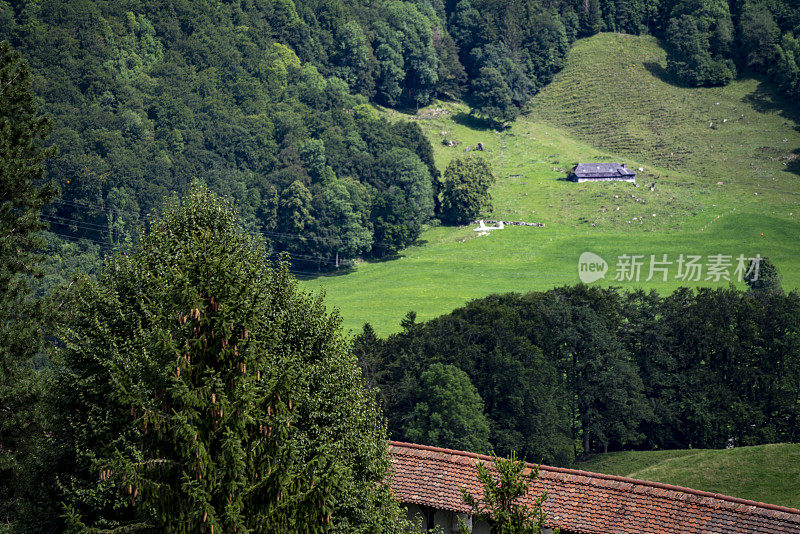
(500, 505)
(22, 196)
(211, 395)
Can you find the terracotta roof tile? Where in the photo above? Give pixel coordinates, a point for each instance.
(588, 503)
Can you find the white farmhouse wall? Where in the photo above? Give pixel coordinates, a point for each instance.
(581, 180)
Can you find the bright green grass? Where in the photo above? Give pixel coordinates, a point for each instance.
(612, 94)
(766, 473)
(602, 119)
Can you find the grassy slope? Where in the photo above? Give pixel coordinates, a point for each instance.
(766, 473)
(622, 110)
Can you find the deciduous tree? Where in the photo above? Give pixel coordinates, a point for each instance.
(466, 189)
(404, 201)
(762, 275)
(448, 411)
(492, 97)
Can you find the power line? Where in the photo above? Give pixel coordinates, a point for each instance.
(53, 219)
(283, 236)
(516, 273)
(110, 247)
(79, 239)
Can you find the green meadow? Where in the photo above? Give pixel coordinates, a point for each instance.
(765, 473)
(719, 175)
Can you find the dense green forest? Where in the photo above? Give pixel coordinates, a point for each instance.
(264, 101)
(187, 381)
(560, 374)
(187, 387)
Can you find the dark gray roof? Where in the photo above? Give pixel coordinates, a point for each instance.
(602, 170)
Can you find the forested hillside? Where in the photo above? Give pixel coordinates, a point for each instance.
(264, 101)
(184, 383)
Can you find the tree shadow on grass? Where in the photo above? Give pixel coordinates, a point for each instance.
(660, 72)
(405, 108)
(342, 270)
(311, 275)
(794, 164)
(384, 259)
(349, 268)
(767, 99)
(471, 121)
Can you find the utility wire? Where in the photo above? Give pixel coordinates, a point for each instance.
(277, 236)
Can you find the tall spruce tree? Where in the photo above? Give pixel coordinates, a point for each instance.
(22, 196)
(202, 393)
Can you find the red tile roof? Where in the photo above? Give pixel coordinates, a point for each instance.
(588, 503)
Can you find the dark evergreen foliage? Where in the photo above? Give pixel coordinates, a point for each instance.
(22, 197)
(446, 410)
(762, 275)
(148, 96)
(198, 390)
(491, 97)
(700, 48)
(577, 370)
(266, 102)
(257, 100)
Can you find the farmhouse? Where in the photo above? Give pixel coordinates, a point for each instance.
(427, 480)
(602, 172)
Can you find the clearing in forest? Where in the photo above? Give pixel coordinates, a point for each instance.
(721, 167)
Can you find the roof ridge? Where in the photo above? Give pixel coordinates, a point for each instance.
(603, 476)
